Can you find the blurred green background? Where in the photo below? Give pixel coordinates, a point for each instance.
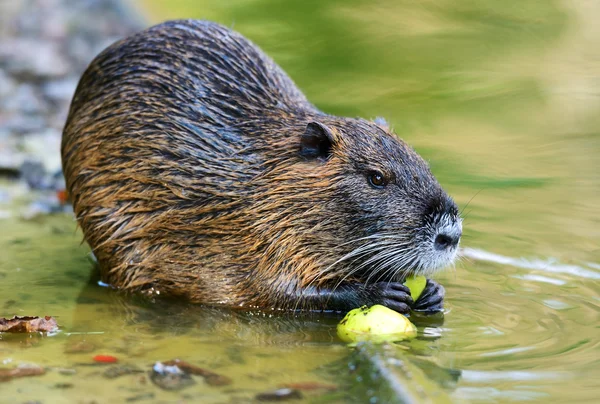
(502, 97)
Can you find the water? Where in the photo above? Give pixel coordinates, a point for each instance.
(45, 271)
(501, 97)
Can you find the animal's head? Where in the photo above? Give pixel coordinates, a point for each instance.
(401, 220)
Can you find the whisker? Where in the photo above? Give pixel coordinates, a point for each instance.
(356, 254)
(356, 269)
(383, 265)
(473, 197)
(403, 264)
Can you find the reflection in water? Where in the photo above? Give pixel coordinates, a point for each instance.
(168, 318)
(549, 265)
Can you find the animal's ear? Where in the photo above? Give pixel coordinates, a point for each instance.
(316, 141)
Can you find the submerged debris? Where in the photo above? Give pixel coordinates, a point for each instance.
(170, 377)
(64, 385)
(116, 371)
(79, 347)
(140, 397)
(176, 374)
(310, 386)
(65, 371)
(211, 378)
(21, 371)
(280, 395)
(25, 324)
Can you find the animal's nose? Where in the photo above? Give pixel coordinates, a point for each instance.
(447, 238)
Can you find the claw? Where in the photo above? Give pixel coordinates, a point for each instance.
(432, 298)
(393, 295)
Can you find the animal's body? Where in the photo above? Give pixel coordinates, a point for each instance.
(197, 169)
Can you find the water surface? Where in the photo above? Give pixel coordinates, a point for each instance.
(502, 98)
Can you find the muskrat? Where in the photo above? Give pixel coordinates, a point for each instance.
(198, 170)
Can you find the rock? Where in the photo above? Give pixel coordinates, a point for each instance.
(54, 24)
(7, 85)
(80, 51)
(21, 124)
(45, 45)
(43, 146)
(33, 59)
(10, 159)
(35, 175)
(25, 100)
(60, 90)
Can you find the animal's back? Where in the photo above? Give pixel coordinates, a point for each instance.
(158, 155)
(218, 65)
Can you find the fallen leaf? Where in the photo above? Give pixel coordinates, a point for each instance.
(26, 324)
(106, 359)
(63, 196)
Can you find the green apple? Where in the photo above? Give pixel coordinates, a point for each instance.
(376, 323)
(416, 284)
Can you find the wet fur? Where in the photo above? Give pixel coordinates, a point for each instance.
(181, 154)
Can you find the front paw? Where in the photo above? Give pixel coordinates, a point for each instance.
(431, 299)
(393, 295)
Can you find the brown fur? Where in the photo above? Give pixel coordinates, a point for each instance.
(181, 153)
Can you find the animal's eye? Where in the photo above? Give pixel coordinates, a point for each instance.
(377, 179)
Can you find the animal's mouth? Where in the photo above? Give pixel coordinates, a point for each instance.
(396, 266)
(434, 248)
(389, 256)
(440, 247)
